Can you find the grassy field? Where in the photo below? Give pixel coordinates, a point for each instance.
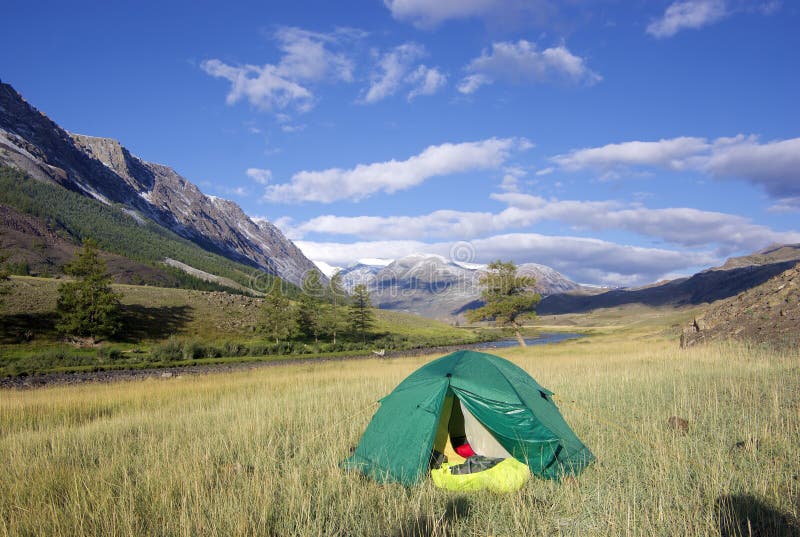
(256, 453)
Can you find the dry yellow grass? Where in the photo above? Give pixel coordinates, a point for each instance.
(256, 453)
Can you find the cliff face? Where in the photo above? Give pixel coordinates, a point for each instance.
(102, 168)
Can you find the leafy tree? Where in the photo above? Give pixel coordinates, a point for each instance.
(88, 307)
(337, 298)
(360, 316)
(278, 317)
(507, 298)
(310, 313)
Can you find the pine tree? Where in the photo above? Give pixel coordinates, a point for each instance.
(337, 297)
(507, 298)
(360, 317)
(87, 307)
(278, 318)
(310, 312)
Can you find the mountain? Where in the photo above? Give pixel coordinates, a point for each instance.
(104, 170)
(766, 314)
(735, 276)
(435, 287)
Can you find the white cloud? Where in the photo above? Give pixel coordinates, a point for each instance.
(523, 63)
(774, 165)
(263, 87)
(687, 227)
(396, 69)
(582, 259)
(428, 13)
(507, 13)
(685, 14)
(426, 81)
(364, 180)
(307, 59)
(259, 175)
(672, 153)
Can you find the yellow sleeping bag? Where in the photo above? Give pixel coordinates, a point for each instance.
(506, 476)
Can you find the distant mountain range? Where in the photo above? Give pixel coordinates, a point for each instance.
(102, 169)
(435, 287)
(738, 274)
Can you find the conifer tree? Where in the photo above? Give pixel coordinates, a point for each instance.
(337, 298)
(310, 313)
(278, 319)
(360, 316)
(88, 307)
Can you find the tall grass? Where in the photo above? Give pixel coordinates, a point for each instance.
(256, 453)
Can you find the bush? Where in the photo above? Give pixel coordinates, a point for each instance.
(192, 350)
(170, 350)
(105, 353)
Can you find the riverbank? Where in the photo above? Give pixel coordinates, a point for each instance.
(167, 371)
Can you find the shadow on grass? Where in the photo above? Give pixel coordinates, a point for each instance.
(428, 526)
(140, 322)
(745, 515)
(22, 327)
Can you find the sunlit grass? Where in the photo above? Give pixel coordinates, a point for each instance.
(256, 452)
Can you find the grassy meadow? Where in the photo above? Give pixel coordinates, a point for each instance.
(256, 452)
(169, 327)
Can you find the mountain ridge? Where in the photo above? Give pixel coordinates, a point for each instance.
(104, 169)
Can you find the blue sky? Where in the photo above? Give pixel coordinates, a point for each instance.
(618, 142)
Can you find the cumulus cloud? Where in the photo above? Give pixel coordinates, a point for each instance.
(774, 166)
(586, 260)
(364, 180)
(308, 58)
(685, 14)
(686, 227)
(523, 63)
(396, 69)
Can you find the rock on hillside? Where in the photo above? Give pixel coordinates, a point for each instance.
(103, 169)
(767, 314)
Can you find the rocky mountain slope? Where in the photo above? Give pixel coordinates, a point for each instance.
(735, 276)
(766, 314)
(104, 170)
(435, 287)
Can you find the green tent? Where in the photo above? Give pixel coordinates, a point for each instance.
(417, 417)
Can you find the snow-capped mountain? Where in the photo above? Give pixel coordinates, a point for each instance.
(103, 169)
(436, 287)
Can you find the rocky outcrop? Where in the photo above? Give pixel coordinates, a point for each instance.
(103, 169)
(768, 314)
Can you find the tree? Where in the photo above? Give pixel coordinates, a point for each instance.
(336, 299)
(360, 316)
(310, 312)
(88, 307)
(507, 298)
(278, 318)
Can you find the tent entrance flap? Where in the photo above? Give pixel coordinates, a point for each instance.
(458, 423)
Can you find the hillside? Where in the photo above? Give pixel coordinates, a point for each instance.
(103, 170)
(735, 276)
(41, 226)
(767, 314)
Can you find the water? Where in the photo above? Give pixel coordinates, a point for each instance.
(543, 339)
